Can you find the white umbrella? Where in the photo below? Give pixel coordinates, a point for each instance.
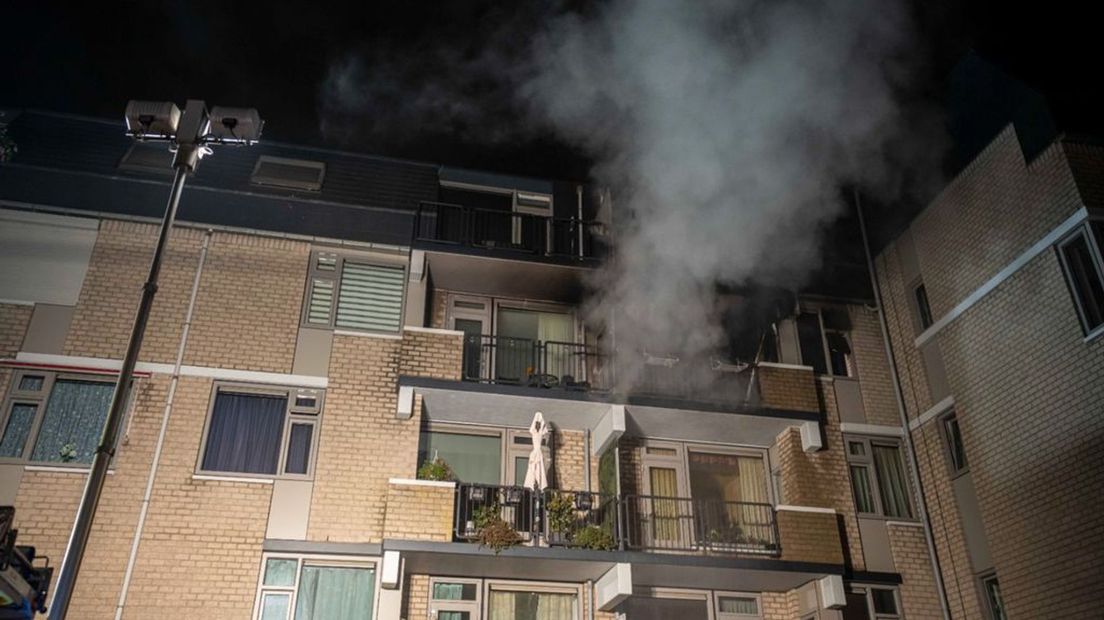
(536, 477)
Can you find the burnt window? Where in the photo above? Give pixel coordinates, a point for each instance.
(811, 341)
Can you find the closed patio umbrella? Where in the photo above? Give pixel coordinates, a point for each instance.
(536, 477)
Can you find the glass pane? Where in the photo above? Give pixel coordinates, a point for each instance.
(454, 591)
(17, 429)
(333, 593)
(473, 347)
(892, 487)
(521, 467)
(453, 615)
(275, 606)
(473, 458)
(993, 593)
(280, 572)
(1085, 281)
(505, 605)
(856, 608)
(665, 517)
(737, 605)
(245, 433)
(860, 484)
(884, 601)
(648, 608)
(73, 421)
(954, 443)
(857, 448)
(922, 307)
(811, 343)
(370, 297)
(299, 444)
(31, 383)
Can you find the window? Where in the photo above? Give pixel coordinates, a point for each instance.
(454, 599)
(737, 606)
(825, 343)
(473, 458)
(531, 603)
(923, 310)
(1080, 257)
(262, 431)
(955, 450)
(315, 589)
(991, 587)
(54, 418)
(289, 173)
(878, 479)
(354, 294)
(872, 603)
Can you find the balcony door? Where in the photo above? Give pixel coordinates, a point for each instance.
(730, 499)
(518, 356)
(664, 513)
(472, 316)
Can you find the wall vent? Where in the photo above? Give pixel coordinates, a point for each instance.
(148, 157)
(289, 173)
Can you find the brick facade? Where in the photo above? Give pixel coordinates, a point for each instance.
(416, 510)
(14, 319)
(809, 537)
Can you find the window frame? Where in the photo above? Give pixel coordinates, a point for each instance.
(867, 591)
(315, 275)
(921, 305)
(293, 414)
(1085, 230)
(505, 585)
(320, 560)
(825, 349)
(40, 400)
(474, 608)
(982, 582)
(724, 615)
(956, 469)
(866, 461)
(507, 449)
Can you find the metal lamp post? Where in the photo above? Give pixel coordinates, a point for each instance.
(191, 132)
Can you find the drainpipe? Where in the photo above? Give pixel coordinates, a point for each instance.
(917, 484)
(144, 510)
(579, 222)
(586, 459)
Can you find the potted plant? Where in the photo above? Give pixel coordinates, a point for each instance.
(493, 531)
(437, 469)
(561, 518)
(594, 537)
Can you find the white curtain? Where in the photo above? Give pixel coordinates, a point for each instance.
(506, 605)
(754, 520)
(560, 358)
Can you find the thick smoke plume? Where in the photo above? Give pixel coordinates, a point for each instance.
(723, 129)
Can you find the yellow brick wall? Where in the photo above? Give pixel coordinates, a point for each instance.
(896, 298)
(872, 367)
(570, 447)
(416, 598)
(918, 592)
(809, 537)
(419, 512)
(14, 319)
(787, 388)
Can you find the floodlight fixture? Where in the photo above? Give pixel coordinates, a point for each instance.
(152, 120)
(234, 125)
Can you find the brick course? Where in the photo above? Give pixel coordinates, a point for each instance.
(14, 319)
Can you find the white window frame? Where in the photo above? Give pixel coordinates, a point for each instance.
(719, 594)
(866, 461)
(866, 590)
(318, 275)
(40, 399)
(327, 561)
(473, 608)
(1084, 230)
(293, 414)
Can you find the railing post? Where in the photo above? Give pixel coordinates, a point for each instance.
(623, 530)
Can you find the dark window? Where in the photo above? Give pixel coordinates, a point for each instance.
(299, 446)
(993, 597)
(923, 310)
(811, 341)
(839, 353)
(1083, 275)
(245, 433)
(954, 443)
(885, 602)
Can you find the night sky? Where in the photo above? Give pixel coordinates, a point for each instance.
(91, 57)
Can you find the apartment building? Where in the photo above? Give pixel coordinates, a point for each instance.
(330, 323)
(993, 295)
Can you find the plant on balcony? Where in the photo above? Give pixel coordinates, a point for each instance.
(594, 537)
(437, 469)
(728, 535)
(561, 517)
(493, 531)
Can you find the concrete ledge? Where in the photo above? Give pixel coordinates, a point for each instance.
(816, 509)
(422, 483)
(275, 545)
(433, 330)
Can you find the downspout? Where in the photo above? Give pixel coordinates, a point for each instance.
(579, 221)
(917, 484)
(144, 510)
(586, 459)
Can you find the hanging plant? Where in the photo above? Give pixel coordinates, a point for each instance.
(8, 148)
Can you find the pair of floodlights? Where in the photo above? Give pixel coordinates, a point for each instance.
(163, 121)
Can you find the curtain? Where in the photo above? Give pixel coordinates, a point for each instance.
(664, 511)
(506, 605)
(754, 520)
(73, 423)
(245, 432)
(448, 591)
(891, 481)
(332, 593)
(299, 443)
(17, 429)
(737, 605)
(860, 484)
(559, 357)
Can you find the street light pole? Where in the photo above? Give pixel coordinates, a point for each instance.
(194, 133)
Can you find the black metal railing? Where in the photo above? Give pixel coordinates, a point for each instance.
(657, 523)
(636, 522)
(534, 363)
(507, 230)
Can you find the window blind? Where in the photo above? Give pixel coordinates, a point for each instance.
(369, 297)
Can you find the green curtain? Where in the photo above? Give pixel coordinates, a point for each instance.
(335, 593)
(891, 481)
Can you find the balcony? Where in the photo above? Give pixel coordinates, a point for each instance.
(533, 363)
(626, 523)
(506, 232)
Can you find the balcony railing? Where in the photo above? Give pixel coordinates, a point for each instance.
(533, 363)
(637, 522)
(491, 229)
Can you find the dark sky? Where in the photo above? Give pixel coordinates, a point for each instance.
(91, 57)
